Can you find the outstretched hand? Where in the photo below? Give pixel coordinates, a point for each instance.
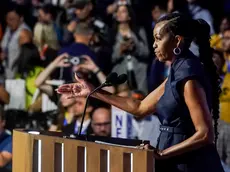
(79, 89)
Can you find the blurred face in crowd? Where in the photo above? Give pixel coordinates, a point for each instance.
(66, 102)
(84, 13)
(226, 41)
(122, 15)
(101, 122)
(218, 61)
(225, 24)
(79, 106)
(44, 17)
(170, 6)
(13, 20)
(156, 13)
(164, 43)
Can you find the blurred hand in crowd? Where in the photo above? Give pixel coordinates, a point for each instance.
(127, 46)
(72, 26)
(112, 8)
(87, 66)
(60, 61)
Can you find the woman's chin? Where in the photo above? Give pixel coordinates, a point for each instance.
(161, 59)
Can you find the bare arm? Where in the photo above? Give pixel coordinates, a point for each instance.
(45, 74)
(4, 95)
(5, 158)
(195, 99)
(133, 106)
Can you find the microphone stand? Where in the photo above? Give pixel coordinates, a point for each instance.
(87, 99)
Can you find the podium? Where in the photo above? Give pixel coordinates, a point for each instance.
(53, 152)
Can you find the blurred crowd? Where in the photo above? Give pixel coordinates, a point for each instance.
(45, 43)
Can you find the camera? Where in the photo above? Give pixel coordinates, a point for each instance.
(75, 60)
(101, 30)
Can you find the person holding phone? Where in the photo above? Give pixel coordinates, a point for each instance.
(130, 40)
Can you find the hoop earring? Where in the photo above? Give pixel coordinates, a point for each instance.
(177, 51)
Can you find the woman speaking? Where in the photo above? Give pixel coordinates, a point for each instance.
(185, 102)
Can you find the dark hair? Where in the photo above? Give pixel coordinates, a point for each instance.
(2, 113)
(181, 6)
(199, 32)
(162, 4)
(83, 29)
(49, 9)
(18, 9)
(29, 58)
(132, 23)
(220, 54)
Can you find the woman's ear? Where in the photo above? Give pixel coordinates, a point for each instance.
(179, 40)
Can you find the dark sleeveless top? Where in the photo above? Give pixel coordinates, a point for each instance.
(176, 122)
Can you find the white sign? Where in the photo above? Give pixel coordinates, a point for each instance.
(121, 123)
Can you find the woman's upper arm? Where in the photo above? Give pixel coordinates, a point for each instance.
(195, 99)
(148, 105)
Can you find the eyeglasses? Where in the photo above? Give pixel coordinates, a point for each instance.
(102, 124)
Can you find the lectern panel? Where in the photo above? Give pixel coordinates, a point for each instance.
(70, 156)
(93, 158)
(47, 154)
(116, 160)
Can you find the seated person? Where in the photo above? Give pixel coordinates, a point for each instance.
(5, 146)
(101, 121)
(74, 126)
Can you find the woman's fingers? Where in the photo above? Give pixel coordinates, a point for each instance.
(64, 89)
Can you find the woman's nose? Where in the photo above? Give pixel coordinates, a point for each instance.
(154, 45)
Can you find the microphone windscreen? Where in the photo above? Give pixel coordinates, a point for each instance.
(112, 77)
(121, 79)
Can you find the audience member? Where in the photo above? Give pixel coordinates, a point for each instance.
(28, 68)
(83, 35)
(218, 58)
(16, 30)
(217, 39)
(200, 13)
(90, 67)
(101, 121)
(66, 113)
(159, 9)
(46, 32)
(5, 146)
(130, 41)
(74, 126)
(42, 79)
(223, 145)
(180, 6)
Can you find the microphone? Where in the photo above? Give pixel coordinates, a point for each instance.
(121, 79)
(111, 79)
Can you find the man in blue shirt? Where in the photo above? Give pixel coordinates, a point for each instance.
(83, 36)
(5, 146)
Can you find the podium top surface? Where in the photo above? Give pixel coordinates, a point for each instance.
(86, 138)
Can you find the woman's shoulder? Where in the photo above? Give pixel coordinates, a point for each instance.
(189, 66)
